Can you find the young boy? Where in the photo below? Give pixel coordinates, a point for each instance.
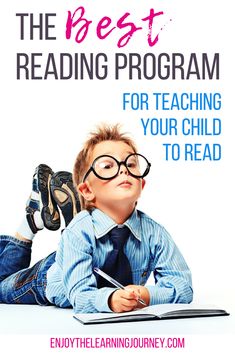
(109, 233)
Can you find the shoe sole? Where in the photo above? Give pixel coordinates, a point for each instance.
(64, 194)
(50, 214)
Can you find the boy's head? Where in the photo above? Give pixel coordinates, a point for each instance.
(103, 170)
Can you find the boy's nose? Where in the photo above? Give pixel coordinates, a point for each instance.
(123, 170)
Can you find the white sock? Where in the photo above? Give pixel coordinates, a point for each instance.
(38, 220)
(32, 221)
(24, 229)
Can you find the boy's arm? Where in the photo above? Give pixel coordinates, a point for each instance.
(75, 259)
(172, 276)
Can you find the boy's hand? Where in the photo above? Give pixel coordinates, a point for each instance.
(126, 300)
(142, 292)
(122, 300)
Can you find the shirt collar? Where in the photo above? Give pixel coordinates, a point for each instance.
(103, 223)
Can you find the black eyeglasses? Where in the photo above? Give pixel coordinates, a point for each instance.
(107, 167)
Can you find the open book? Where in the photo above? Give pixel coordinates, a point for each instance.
(154, 312)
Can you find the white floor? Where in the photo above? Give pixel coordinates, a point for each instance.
(34, 319)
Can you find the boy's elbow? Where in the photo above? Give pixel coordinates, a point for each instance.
(190, 295)
(186, 295)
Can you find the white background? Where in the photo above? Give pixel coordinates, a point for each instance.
(47, 121)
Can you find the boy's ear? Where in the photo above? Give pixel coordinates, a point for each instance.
(86, 191)
(143, 183)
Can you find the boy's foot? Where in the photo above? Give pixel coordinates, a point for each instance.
(41, 200)
(65, 195)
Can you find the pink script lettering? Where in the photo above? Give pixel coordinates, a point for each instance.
(105, 27)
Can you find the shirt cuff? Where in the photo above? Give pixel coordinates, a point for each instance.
(162, 295)
(102, 297)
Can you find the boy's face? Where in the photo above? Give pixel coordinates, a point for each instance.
(121, 191)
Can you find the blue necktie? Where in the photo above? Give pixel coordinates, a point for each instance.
(117, 264)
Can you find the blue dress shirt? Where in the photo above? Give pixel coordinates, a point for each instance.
(85, 244)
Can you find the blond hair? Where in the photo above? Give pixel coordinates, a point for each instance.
(102, 133)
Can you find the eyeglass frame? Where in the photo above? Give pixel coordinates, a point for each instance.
(92, 169)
